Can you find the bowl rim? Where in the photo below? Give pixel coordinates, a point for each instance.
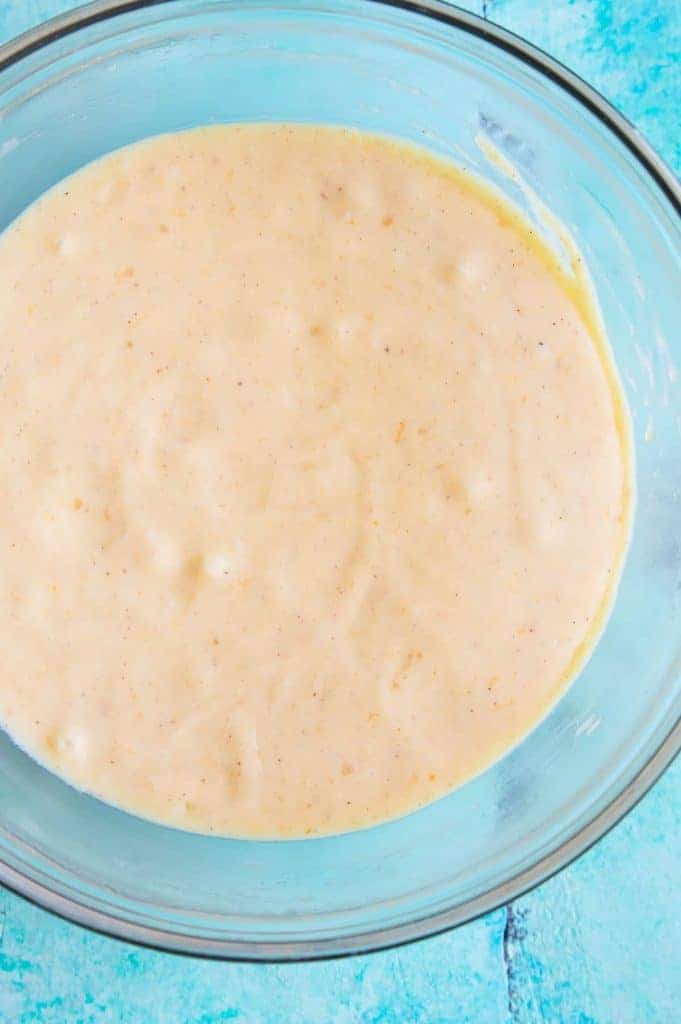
(118, 926)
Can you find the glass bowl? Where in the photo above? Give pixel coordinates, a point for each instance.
(112, 73)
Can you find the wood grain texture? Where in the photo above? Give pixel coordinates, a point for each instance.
(598, 944)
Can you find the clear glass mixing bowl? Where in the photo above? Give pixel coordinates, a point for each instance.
(115, 72)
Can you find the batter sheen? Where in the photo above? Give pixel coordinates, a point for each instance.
(315, 479)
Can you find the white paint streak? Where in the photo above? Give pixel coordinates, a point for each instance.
(8, 145)
(588, 726)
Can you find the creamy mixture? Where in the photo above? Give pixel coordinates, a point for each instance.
(316, 479)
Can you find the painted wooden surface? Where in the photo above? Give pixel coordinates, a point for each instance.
(598, 944)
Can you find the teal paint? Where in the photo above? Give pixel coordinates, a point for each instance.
(630, 50)
(599, 943)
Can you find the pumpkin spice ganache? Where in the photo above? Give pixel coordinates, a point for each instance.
(317, 479)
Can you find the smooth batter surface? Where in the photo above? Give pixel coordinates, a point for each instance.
(315, 481)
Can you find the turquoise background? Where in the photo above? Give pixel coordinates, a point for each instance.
(598, 944)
